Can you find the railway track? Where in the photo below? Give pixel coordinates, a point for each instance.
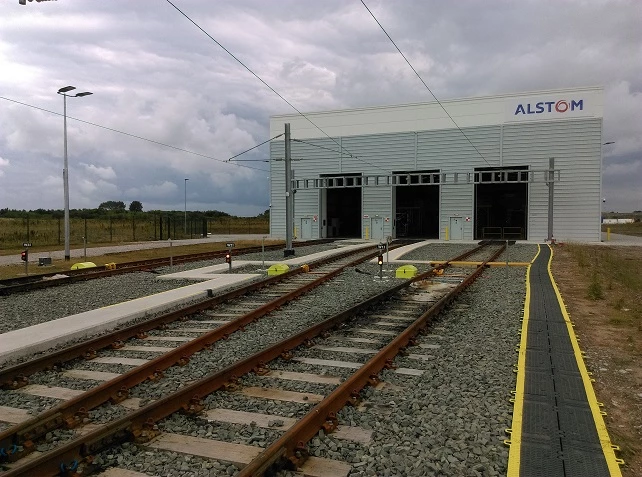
(46, 280)
(18, 441)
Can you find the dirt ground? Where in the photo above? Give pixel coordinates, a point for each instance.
(601, 289)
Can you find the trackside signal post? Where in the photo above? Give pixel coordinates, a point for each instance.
(381, 248)
(24, 256)
(228, 255)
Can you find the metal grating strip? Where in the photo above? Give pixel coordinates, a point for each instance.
(559, 435)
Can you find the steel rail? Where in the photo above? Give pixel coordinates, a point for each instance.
(289, 450)
(140, 424)
(35, 282)
(70, 413)
(14, 376)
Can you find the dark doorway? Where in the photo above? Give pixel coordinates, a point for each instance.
(417, 206)
(501, 206)
(343, 207)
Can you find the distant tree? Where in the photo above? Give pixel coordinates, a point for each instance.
(135, 206)
(265, 214)
(112, 205)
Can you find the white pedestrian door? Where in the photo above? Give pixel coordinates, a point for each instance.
(306, 228)
(456, 228)
(377, 228)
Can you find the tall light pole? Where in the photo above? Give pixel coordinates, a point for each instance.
(186, 206)
(65, 170)
(602, 199)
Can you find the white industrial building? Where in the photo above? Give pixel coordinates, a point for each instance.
(409, 171)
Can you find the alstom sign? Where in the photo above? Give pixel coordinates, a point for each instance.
(556, 107)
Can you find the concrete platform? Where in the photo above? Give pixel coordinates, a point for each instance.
(43, 336)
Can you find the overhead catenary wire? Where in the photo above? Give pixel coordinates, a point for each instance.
(316, 145)
(424, 83)
(270, 87)
(254, 147)
(132, 135)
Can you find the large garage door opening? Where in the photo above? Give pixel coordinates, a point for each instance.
(501, 204)
(343, 207)
(417, 206)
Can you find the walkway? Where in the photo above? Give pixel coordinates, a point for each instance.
(557, 429)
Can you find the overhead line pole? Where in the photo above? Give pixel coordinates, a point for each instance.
(289, 202)
(551, 193)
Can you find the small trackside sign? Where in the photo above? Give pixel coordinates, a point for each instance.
(229, 244)
(381, 246)
(26, 244)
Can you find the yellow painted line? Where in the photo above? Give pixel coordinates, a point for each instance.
(515, 441)
(607, 447)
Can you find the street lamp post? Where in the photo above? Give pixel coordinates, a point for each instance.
(186, 206)
(602, 199)
(65, 170)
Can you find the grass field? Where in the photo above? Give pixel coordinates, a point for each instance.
(625, 229)
(44, 233)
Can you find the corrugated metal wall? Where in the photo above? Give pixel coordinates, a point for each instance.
(577, 148)
(575, 144)
(449, 151)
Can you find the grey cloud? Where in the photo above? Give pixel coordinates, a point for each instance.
(155, 75)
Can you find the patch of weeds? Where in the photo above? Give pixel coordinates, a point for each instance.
(595, 291)
(619, 303)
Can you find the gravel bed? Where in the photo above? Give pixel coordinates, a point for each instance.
(234, 433)
(139, 459)
(27, 309)
(53, 379)
(343, 373)
(33, 404)
(287, 384)
(519, 252)
(449, 421)
(272, 328)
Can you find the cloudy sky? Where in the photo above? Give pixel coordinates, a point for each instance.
(156, 76)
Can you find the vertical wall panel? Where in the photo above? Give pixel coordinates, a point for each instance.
(576, 147)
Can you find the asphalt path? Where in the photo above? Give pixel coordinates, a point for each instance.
(78, 253)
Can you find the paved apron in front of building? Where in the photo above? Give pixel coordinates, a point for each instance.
(559, 435)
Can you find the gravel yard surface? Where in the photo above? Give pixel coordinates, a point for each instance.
(448, 422)
(27, 309)
(443, 251)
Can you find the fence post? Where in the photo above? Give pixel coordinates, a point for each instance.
(111, 231)
(85, 237)
(58, 230)
(134, 226)
(28, 234)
